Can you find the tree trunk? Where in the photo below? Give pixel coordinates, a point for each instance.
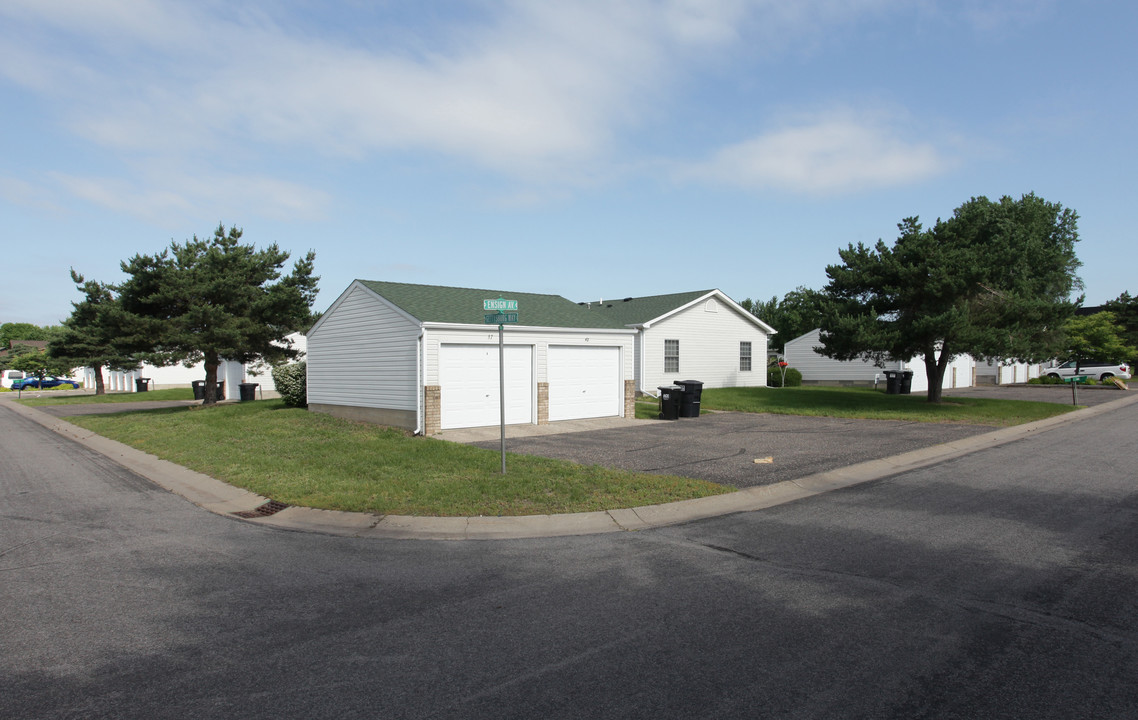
(100, 386)
(934, 371)
(210, 389)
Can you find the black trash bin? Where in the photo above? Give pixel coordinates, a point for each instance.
(691, 392)
(248, 391)
(907, 382)
(199, 389)
(669, 402)
(141, 384)
(893, 382)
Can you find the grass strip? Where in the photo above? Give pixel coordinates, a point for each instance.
(876, 405)
(311, 459)
(114, 397)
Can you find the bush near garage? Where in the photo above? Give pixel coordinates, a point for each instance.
(775, 374)
(292, 383)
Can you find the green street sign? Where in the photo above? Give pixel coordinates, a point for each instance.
(500, 305)
(501, 318)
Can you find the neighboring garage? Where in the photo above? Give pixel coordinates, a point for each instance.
(421, 357)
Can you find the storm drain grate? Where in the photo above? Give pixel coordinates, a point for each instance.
(272, 507)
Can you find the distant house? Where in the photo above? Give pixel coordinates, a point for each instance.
(230, 372)
(817, 369)
(422, 357)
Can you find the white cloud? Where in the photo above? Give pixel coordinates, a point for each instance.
(835, 152)
(180, 198)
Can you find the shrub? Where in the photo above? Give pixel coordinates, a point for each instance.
(774, 377)
(292, 383)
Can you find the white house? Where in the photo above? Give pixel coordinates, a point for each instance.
(702, 335)
(424, 358)
(817, 369)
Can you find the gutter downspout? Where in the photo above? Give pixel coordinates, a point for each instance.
(419, 390)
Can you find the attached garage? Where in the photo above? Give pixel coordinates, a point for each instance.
(584, 382)
(469, 385)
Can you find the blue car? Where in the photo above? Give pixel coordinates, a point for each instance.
(48, 382)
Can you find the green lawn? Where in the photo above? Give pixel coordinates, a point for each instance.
(116, 397)
(303, 458)
(876, 405)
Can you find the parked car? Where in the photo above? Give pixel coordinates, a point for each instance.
(50, 381)
(1091, 368)
(8, 377)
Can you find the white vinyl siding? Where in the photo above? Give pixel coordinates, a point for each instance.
(709, 348)
(363, 353)
(817, 368)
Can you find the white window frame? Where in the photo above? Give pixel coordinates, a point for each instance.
(674, 357)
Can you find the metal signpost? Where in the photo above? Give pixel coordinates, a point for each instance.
(502, 312)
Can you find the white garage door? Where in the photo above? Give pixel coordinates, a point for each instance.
(468, 385)
(584, 382)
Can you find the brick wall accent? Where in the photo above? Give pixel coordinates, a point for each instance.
(543, 403)
(432, 410)
(629, 399)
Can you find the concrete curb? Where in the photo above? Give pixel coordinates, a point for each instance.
(221, 498)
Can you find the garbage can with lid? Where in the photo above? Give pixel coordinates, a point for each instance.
(199, 389)
(141, 384)
(691, 392)
(893, 382)
(248, 391)
(907, 382)
(669, 402)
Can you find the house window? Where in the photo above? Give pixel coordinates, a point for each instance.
(671, 356)
(745, 356)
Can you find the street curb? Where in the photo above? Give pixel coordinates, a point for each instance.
(224, 499)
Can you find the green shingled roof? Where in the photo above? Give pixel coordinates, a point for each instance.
(435, 303)
(634, 311)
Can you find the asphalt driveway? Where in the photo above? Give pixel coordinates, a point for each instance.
(723, 447)
(745, 449)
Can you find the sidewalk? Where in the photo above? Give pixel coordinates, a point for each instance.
(218, 497)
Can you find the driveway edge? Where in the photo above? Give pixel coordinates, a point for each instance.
(224, 499)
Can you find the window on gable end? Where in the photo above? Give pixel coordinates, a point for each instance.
(671, 356)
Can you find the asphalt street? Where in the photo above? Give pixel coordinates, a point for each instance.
(1000, 584)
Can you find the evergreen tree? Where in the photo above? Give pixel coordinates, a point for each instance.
(216, 299)
(97, 332)
(994, 281)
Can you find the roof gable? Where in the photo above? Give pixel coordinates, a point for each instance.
(440, 304)
(648, 310)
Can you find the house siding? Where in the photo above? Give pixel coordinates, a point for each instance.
(818, 369)
(709, 348)
(363, 354)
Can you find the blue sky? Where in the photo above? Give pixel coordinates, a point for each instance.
(589, 149)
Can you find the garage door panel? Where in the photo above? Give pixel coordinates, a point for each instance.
(468, 385)
(584, 382)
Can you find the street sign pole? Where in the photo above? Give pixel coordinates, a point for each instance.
(499, 312)
(502, 388)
